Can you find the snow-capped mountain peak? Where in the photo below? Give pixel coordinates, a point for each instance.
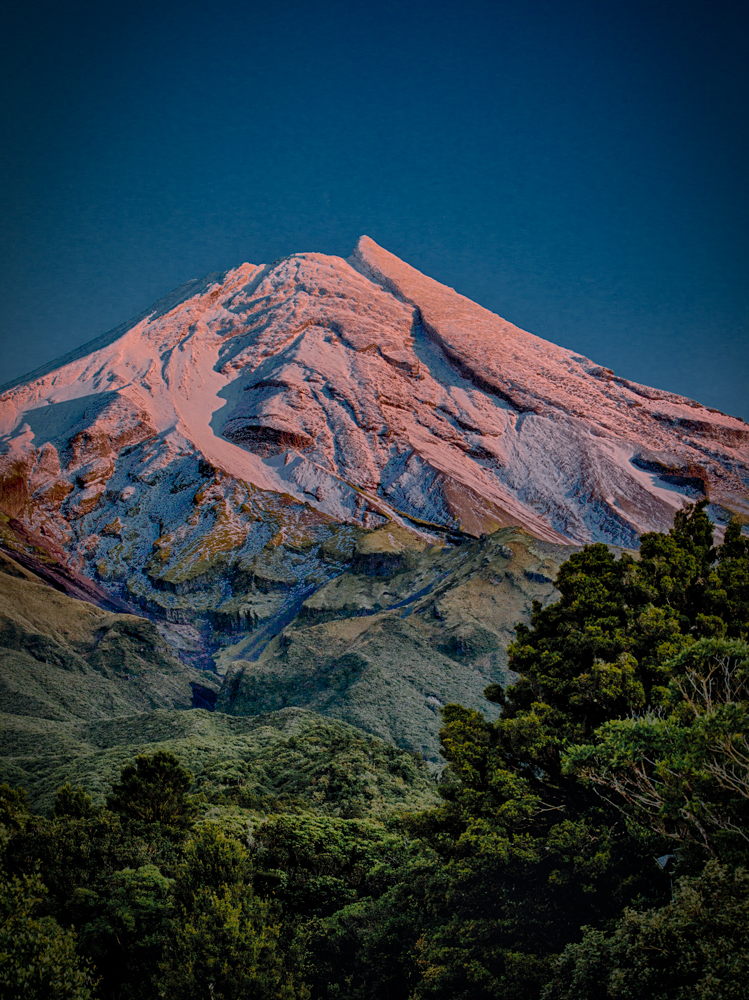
(362, 392)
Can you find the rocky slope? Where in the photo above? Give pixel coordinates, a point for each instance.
(387, 643)
(83, 690)
(269, 448)
(359, 389)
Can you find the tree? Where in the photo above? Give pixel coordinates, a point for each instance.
(225, 942)
(600, 651)
(154, 790)
(73, 802)
(14, 812)
(727, 590)
(127, 926)
(695, 948)
(353, 887)
(530, 853)
(38, 960)
(683, 773)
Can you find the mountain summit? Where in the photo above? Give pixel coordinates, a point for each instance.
(368, 392)
(287, 468)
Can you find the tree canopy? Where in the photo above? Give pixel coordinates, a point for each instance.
(153, 789)
(623, 740)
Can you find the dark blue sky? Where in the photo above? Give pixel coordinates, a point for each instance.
(577, 168)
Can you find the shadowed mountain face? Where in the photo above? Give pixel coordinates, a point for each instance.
(389, 641)
(265, 436)
(65, 659)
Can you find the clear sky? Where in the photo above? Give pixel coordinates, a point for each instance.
(578, 167)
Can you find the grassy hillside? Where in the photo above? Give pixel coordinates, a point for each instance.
(399, 634)
(62, 658)
(336, 714)
(82, 690)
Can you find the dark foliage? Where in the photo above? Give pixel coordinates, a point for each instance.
(154, 790)
(625, 739)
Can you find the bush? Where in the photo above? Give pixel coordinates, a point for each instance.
(693, 949)
(38, 960)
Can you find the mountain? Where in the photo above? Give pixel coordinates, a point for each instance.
(66, 659)
(290, 469)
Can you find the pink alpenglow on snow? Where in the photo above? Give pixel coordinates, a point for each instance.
(344, 392)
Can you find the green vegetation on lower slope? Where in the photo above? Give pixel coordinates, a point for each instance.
(62, 658)
(82, 690)
(399, 634)
(291, 759)
(588, 843)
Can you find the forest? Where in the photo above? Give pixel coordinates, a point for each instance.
(592, 842)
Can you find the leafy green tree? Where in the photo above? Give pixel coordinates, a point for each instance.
(107, 877)
(575, 656)
(600, 651)
(357, 890)
(316, 865)
(73, 802)
(14, 813)
(367, 949)
(127, 930)
(38, 960)
(227, 943)
(529, 852)
(695, 948)
(684, 773)
(727, 590)
(210, 860)
(528, 855)
(674, 568)
(154, 790)
(76, 857)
